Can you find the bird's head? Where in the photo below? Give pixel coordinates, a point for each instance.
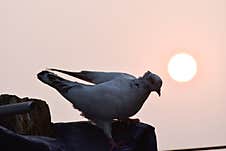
(154, 82)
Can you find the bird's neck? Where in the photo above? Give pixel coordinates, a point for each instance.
(145, 83)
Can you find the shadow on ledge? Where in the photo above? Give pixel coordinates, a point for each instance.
(82, 136)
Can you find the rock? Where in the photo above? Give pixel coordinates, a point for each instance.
(33, 131)
(83, 136)
(35, 122)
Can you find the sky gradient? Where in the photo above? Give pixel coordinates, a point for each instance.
(129, 36)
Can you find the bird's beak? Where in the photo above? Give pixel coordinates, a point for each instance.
(159, 92)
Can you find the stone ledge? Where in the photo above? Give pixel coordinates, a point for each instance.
(33, 131)
(35, 122)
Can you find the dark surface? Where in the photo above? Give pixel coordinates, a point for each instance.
(82, 136)
(36, 121)
(16, 108)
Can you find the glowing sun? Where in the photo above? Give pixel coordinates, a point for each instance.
(182, 67)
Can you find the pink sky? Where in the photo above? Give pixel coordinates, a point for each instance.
(129, 36)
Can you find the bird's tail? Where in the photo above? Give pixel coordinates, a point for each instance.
(53, 80)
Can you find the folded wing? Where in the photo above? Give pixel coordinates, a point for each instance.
(95, 76)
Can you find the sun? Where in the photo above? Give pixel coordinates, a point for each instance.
(182, 67)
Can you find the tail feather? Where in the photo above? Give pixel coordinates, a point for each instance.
(53, 80)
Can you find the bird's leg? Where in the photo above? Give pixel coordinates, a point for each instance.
(106, 127)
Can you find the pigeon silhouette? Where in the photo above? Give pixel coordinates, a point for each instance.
(112, 95)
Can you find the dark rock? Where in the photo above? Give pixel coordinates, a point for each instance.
(35, 122)
(82, 136)
(33, 131)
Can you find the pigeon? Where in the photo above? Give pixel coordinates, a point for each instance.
(109, 96)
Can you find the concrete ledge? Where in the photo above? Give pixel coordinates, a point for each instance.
(33, 131)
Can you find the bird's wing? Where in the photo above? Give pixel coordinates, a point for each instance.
(60, 84)
(95, 76)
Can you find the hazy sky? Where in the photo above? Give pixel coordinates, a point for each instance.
(130, 36)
